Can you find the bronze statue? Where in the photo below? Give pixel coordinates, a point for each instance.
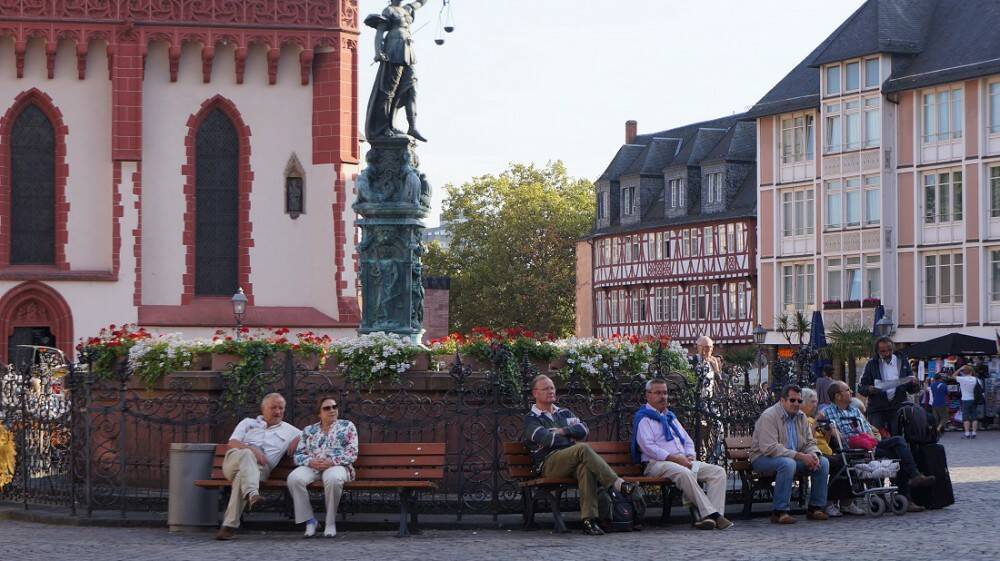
(395, 83)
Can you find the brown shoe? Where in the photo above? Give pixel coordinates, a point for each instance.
(225, 533)
(705, 524)
(914, 507)
(816, 514)
(723, 523)
(781, 518)
(921, 480)
(253, 500)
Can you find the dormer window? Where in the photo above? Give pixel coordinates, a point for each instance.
(713, 190)
(602, 209)
(628, 201)
(675, 193)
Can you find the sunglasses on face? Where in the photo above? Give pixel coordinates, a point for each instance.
(330, 407)
(793, 400)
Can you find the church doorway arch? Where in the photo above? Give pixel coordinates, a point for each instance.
(35, 313)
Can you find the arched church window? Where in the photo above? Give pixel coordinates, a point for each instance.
(216, 206)
(294, 187)
(33, 188)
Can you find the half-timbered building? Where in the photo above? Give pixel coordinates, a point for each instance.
(673, 248)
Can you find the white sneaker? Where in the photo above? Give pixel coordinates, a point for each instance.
(852, 509)
(832, 511)
(330, 531)
(310, 529)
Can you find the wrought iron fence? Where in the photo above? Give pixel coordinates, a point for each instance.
(90, 444)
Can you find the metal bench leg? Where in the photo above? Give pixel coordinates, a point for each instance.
(667, 493)
(557, 518)
(404, 513)
(747, 483)
(528, 504)
(413, 513)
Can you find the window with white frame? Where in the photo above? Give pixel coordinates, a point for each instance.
(833, 79)
(675, 190)
(709, 241)
(873, 200)
(659, 303)
(797, 208)
(740, 230)
(675, 297)
(797, 139)
(873, 121)
(639, 305)
(686, 243)
(613, 308)
(692, 303)
(696, 247)
(702, 302)
(716, 301)
(873, 276)
(628, 200)
(834, 205)
(852, 202)
(599, 301)
(995, 191)
(724, 244)
(834, 279)
(871, 73)
(665, 245)
(852, 278)
(942, 197)
(713, 190)
(994, 125)
(942, 115)
(852, 125)
(743, 300)
(995, 276)
(943, 279)
(601, 209)
(635, 248)
(834, 128)
(798, 286)
(852, 76)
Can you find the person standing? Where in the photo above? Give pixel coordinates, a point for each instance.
(886, 381)
(968, 383)
(660, 441)
(939, 402)
(783, 444)
(327, 451)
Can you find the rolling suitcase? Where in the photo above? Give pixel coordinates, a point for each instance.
(931, 460)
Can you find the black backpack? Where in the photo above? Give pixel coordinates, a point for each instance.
(917, 426)
(618, 512)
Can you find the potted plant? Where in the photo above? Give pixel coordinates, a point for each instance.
(311, 350)
(831, 304)
(153, 358)
(870, 302)
(851, 304)
(109, 351)
(374, 358)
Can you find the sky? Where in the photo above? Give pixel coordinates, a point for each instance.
(542, 80)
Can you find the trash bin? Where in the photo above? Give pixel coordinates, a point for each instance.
(191, 507)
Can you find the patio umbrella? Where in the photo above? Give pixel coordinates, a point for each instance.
(879, 314)
(817, 340)
(951, 344)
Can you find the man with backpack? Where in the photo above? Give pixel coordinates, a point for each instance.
(660, 442)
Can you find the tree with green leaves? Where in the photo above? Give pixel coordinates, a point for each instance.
(512, 258)
(849, 344)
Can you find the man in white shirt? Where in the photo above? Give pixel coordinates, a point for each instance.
(886, 382)
(967, 382)
(255, 448)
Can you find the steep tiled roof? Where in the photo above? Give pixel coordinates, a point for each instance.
(621, 162)
(878, 26)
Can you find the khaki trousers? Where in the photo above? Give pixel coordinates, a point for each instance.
(333, 487)
(713, 476)
(240, 466)
(580, 461)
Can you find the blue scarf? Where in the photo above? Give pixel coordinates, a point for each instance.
(666, 420)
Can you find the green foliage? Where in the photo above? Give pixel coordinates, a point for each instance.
(438, 261)
(849, 344)
(244, 382)
(375, 357)
(742, 357)
(512, 260)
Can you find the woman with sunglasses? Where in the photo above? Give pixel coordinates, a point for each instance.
(327, 450)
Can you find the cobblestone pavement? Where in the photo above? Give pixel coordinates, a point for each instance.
(966, 531)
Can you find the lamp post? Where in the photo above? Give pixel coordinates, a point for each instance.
(759, 334)
(239, 308)
(883, 327)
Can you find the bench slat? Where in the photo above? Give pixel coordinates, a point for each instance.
(402, 449)
(400, 473)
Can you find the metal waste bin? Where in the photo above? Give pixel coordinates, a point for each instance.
(191, 507)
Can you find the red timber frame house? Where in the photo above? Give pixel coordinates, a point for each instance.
(674, 248)
(147, 153)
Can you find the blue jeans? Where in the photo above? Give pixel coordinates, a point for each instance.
(784, 470)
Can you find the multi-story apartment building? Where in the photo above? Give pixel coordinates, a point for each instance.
(879, 172)
(673, 249)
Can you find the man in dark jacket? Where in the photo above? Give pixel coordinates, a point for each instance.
(886, 382)
(553, 437)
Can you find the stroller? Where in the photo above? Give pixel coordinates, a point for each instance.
(866, 477)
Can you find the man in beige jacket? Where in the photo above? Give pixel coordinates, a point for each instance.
(783, 445)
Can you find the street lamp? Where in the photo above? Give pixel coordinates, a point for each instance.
(883, 327)
(759, 334)
(239, 308)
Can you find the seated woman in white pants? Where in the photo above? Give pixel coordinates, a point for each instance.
(327, 450)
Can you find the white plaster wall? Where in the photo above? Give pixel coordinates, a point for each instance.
(96, 304)
(86, 111)
(292, 260)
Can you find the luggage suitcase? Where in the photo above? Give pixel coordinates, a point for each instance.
(931, 460)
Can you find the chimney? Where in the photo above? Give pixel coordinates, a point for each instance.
(631, 130)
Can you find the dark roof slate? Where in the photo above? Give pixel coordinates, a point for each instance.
(878, 26)
(621, 162)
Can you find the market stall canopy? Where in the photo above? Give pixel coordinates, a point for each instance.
(951, 344)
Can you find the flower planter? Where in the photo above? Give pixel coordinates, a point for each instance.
(473, 363)
(330, 364)
(201, 361)
(307, 362)
(224, 361)
(870, 303)
(420, 363)
(852, 305)
(834, 305)
(540, 364)
(558, 363)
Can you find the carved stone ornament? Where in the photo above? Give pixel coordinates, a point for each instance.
(295, 187)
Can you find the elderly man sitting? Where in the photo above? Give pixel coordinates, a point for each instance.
(664, 446)
(255, 448)
(849, 421)
(553, 436)
(783, 444)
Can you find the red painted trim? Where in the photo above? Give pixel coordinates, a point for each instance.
(25, 304)
(245, 228)
(218, 312)
(137, 234)
(35, 272)
(347, 306)
(43, 102)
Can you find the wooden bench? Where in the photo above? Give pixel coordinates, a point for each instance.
(616, 454)
(406, 467)
(738, 454)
